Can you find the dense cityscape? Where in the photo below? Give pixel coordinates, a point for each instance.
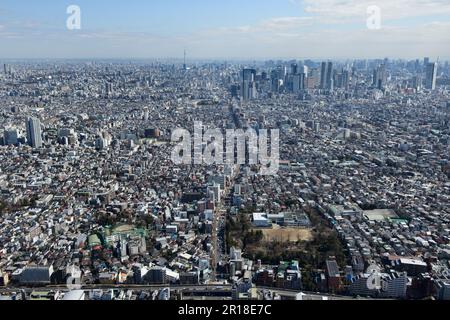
(92, 206)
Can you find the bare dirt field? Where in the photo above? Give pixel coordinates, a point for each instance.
(287, 234)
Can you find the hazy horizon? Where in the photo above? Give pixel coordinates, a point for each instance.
(179, 60)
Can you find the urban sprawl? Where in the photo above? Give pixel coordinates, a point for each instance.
(92, 206)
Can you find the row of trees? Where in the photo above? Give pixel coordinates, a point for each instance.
(239, 233)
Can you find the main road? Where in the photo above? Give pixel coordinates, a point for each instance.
(219, 224)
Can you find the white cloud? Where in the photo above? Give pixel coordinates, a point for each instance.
(345, 10)
(278, 24)
(315, 35)
(429, 39)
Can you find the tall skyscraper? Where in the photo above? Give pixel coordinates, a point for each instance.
(34, 132)
(248, 84)
(314, 79)
(305, 70)
(380, 77)
(323, 76)
(431, 74)
(329, 80)
(298, 82)
(294, 68)
(275, 80)
(345, 79)
(326, 75)
(416, 82)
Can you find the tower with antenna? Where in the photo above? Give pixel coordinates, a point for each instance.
(184, 63)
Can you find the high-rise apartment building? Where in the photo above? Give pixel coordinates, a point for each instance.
(34, 132)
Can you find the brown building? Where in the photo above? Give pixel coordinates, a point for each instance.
(333, 276)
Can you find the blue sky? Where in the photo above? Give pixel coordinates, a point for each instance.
(254, 29)
(153, 15)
